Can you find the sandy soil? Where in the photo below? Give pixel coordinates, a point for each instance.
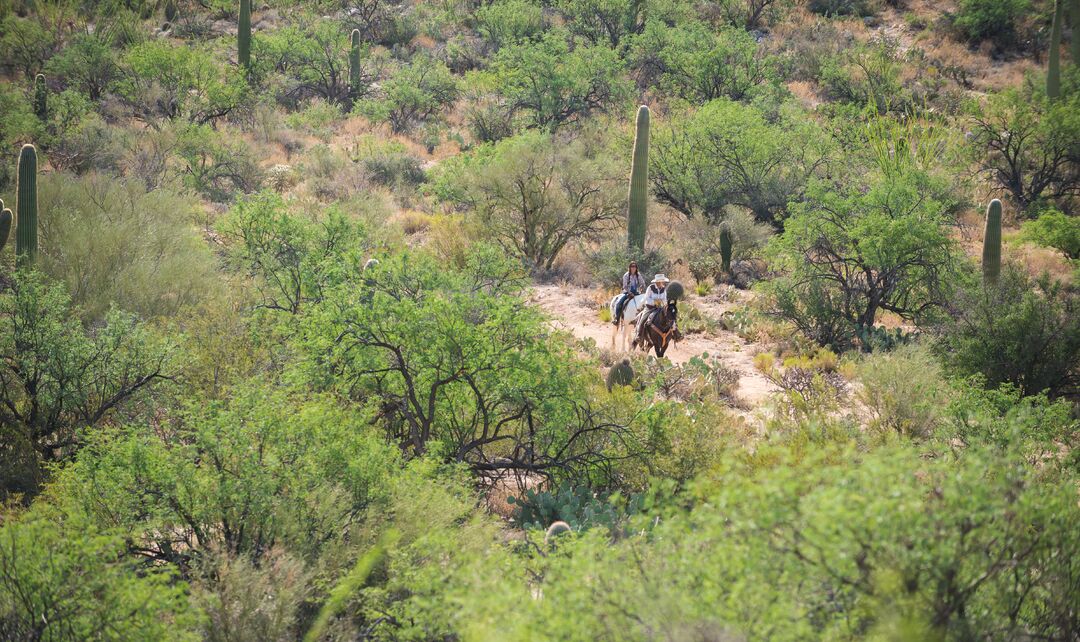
(574, 309)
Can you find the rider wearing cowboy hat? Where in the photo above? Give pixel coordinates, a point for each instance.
(655, 298)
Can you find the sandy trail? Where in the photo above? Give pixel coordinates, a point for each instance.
(573, 309)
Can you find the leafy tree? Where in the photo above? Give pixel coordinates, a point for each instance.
(416, 93)
(28, 43)
(162, 81)
(750, 14)
(537, 193)
(1026, 144)
(264, 469)
(217, 166)
(604, 22)
(851, 251)
(1054, 229)
(65, 579)
(1022, 333)
(88, 64)
(292, 258)
(867, 74)
(728, 154)
(456, 365)
(557, 83)
(698, 63)
(510, 21)
(313, 56)
(57, 379)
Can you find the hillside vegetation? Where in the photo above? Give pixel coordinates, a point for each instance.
(305, 325)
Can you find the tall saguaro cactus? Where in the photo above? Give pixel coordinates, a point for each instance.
(41, 97)
(1053, 65)
(639, 183)
(5, 225)
(354, 64)
(1075, 17)
(725, 248)
(26, 205)
(991, 254)
(243, 35)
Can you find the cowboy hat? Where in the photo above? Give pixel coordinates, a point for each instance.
(660, 278)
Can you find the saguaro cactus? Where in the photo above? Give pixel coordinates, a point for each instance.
(243, 35)
(1075, 17)
(621, 374)
(725, 249)
(991, 254)
(354, 64)
(5, 225)
(1053, 66)
(26, 205)
(639, 183)
(41, 97)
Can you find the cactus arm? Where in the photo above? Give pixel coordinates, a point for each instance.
(991, 254)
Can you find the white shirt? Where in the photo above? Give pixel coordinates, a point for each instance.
(654, 298)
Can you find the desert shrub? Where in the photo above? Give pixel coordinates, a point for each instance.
(556, 84)
(704, 241)
(1022, 332)
(509, 21)
(416, 93)
(64, 579)
(317, 118)
(59, 380)
(291, 258)
(867, 74)
(489, 117)
(728, 153)
(90, 145)
(247, 602)
(850, 253)
(1056, 230)
(903, 390)
(982, 19)
(602, 22)
(113, 243)
(261, 470)
(579, 507)
(217, 166)
(610, 259)
(1026, 144)
(698, 63)
(537, 193)
(312, 57)
(160, 81)
(88, 64)
(392, 165)
(846, 7)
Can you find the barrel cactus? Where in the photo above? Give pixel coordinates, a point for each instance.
(26, 205)
(354, 64)
(639, 183)
(675, 291)
(1053, 65)
(243, 35)
(556, 529)
(41, 97)
(5, 225)
(991, 254)
(620, 374)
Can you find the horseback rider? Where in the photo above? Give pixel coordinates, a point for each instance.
(632, 284)
(655, 299)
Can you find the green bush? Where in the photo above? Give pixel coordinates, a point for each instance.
(846, 7)
(510, 21)
(904, 391)
(1056, 230)
(982, 19)
(1019, 332)
(116, 244)
(416, 93)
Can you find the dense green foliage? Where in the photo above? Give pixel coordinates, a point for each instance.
(299, 332)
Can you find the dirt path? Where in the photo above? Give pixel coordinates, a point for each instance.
(574, 309)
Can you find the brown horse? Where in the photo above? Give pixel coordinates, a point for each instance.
(659, 334)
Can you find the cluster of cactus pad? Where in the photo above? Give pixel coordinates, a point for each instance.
(620, 374)
(639, 183)
(991, 253)
(26, 205)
